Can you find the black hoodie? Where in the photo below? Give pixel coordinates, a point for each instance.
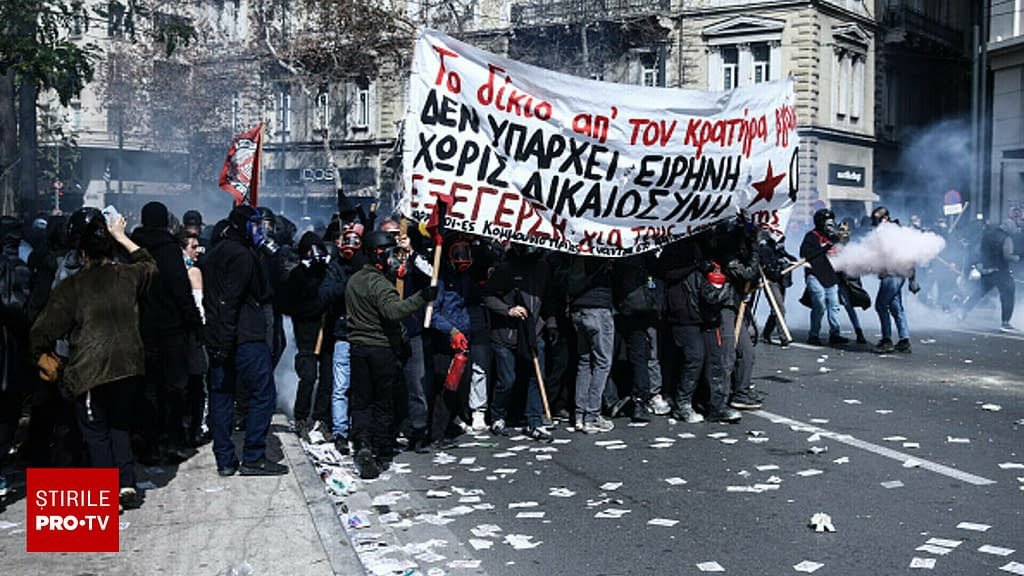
(167, 306)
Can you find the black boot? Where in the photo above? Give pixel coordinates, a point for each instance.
(860, 337)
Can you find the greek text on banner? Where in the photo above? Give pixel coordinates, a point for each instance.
(571, 164)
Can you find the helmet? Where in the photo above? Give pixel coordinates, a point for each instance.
(821, 217)
(84, 221)
(351, 240)
(380, 247)
(879, 215)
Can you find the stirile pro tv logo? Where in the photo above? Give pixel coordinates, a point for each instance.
(72, 510)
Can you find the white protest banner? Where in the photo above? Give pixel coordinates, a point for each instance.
(543, 158)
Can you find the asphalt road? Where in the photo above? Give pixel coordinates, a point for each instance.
(854, 403)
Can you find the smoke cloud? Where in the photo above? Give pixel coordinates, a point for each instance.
(889, 249)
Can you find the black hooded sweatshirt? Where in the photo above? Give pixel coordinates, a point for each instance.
(167, 306)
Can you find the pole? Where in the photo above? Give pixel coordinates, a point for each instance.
(403, 230)
(741, 313)
(540, 384)
(433, 283)
(779, 318)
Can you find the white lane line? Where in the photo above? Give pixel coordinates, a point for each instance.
(876, 449)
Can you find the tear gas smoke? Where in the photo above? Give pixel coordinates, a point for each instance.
(889, 249)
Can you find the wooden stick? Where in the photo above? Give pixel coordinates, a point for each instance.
(433, 282)
(739, 315)
(540, 384)
(403, 230)
(793, 266)
(779, 319)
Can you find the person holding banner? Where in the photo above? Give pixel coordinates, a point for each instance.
(515, 296)
(375, 311)
(589, 281)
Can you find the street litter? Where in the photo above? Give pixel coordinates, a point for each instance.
(928, 563)
(388, 498)
(439, 478)
(883, 412)
(991, 407)
(611, 486)
(755, 433)
(822, 522)
(729, 440)
(824, 369)
(718, 435)
(774, 480)
(842, 460)
(464, 564)
(807, 566)
(521, 541)
(794, 368)
(480, 544)
(819, 420)
(933, 549)
(485, 530)
(469, 461)
(892, 484)
(637, 424)
(689, 435)
(469, 500)
(911, 444)
(612, 513)
(675, 481)
(444, 458)
(1013, 568)
(616, 447)
(606, 443)
(973, 526)
(505, 455)
(359, 520)
(1012, 466)
(767, 467)
(243, 569)
(911, 463)
(536, 515)
(758, 439)
(751, 489)
(666, 522)
(5, 525)
(954, 440)
(661, 445)
(211, 489)
(529, 504)
(894, 438)
(561, 492)
(710, 567)
(809, 472)
(505, 471)
(998, 551)
(814, 437)
(945, 543)
(852, 401)
(818, 449)
(438, 493)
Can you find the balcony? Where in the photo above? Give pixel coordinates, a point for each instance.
(548, 12)
(910, 26)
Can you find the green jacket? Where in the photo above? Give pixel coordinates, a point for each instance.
(375, 310)
(98, 310)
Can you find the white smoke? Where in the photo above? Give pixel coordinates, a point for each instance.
(888, 249)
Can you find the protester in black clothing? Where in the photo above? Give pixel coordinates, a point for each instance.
(996, 258)
(774, 259)
(167, 313)
(300, 299)
(822, 283)
(637, 302)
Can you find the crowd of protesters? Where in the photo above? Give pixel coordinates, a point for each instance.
(146, 346)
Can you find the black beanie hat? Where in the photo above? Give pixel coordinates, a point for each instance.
(154, 215)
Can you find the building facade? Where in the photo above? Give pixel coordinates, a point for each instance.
(1005, 53)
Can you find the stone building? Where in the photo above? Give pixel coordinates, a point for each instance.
(1005, 52)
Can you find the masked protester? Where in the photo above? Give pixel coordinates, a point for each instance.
(198, 362)
(98, 309)
(822, 282)
(375, 311)
(349, 242)
(774, 259)
(236, 295)
(889, 301)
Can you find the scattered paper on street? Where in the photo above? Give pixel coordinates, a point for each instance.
(996, 550)
(927, 563)
(710, 567)
(807, 566)
(666, 522)
(1013, 568)
(973, 526)
(892, 484)
(675, 481)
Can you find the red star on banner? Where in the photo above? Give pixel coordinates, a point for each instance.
(766, 188)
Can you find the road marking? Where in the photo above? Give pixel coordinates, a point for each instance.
(876, 449)
(1018, 337)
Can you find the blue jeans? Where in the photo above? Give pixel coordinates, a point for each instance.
(508, 366)
(595, 343)
(890, 301)
(823, 300)
(339, 391)
(251, 366)
(418, 387)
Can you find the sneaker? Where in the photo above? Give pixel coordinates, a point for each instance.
(562, 415)
(421, 445)
(742, 401)
(814, 341)
(884, 346)
(1008, 328)
(539, 434)
(479, 421)
(860, 337)
(383, 463)
(903, 346)
(3, 486)
(640, 413)
(837, 340)
(784, 343)
(688, 415)
(619, 406)
(366, 465)
(262, 467)
(128, 498)
(725, 415)
(578, 423)
(598, 425)
(228, 470)
(341, 444)
(498, 428)
(658, 405)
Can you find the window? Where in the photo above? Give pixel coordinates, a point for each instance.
(236, 112)
(843, 100)
(730, 67)
(77, 20)
(362, 107)
(762, 55)
(115, 20)
(649, 76)
(323, 111)
(75, 119)
(284, 112)
(857, 106)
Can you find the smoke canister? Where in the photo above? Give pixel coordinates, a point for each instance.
(455, 370)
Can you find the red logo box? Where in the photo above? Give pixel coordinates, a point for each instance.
(72, 510)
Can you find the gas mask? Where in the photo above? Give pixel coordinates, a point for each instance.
(260, 236)
(351, 240)
(460, 254)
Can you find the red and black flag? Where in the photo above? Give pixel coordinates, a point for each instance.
(435, 224)
(240, 176)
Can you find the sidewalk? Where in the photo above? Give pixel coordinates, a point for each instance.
(196, 523)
